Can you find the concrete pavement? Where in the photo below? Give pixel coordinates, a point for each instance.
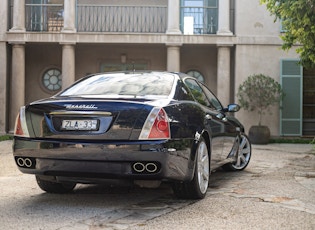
(276, 191)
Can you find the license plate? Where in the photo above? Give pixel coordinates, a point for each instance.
(79, 125)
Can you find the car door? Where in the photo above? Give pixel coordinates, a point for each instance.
(229, 131)
(212, 120)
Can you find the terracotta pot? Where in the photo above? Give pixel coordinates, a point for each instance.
(259, 135)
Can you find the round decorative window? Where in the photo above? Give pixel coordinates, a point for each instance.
(52, 79)
(196, 74)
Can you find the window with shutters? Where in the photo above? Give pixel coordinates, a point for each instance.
(292, 104)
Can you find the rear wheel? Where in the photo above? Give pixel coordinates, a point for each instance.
(243, 155)
(54, 187)
(197, 188)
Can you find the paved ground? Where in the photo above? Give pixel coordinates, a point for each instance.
(276, 191)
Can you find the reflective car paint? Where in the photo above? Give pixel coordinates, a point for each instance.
(119, 147)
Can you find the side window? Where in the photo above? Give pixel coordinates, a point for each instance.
(197, 92)
(182, 92)
(215, 103)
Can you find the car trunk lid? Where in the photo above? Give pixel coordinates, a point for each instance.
(88, 119)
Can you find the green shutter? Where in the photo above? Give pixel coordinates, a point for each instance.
(292, 84)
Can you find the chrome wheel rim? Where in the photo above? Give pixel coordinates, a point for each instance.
(244, 153)
(203, 167)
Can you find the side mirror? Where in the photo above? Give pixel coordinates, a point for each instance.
(232, 108)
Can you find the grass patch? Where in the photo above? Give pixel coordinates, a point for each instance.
(292, 141)
(310, 141)
(6, 137)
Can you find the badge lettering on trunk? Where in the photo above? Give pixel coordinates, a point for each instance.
(73, 106)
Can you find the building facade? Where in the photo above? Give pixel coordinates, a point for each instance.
(46, 45)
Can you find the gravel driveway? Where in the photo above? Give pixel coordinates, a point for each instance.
(276, 191)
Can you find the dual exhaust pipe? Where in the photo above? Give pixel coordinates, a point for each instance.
(145, 167)
(25, 162)
(138, 167)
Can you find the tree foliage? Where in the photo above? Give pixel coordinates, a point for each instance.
(258, 93)
(298, 18)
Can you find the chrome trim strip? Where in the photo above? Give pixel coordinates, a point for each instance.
(83, 113)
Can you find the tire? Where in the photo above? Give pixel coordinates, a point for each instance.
(54, 187)
(243, 155)
(197, 188)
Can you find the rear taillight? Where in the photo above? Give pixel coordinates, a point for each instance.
(20, 124)
(156, 126)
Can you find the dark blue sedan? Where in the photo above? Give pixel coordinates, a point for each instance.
(143, 127)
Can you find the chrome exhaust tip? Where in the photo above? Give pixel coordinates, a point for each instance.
(25, 162)
(20, 162)
(138, 167)
(28, 163)
(145, 167)
(151, 167)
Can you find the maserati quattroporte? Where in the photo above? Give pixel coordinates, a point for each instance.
(140, 127)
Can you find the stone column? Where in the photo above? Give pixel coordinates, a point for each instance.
(223, 75)
(3, 68)
(173, 58)
(17, 98)
(69, 16)
(224, 18)
(3, 88)
(173, 17)
(3, 20)
(68, 65)
(18, 16)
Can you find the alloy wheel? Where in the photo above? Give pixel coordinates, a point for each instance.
(244, 153)
(203, 167)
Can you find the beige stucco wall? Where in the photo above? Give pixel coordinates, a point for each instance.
(258, 50)
(203, 59)
(38, 59)
(256, 59)
(90, 57)
(252, 19)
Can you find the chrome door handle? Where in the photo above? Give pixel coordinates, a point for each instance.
(222, 117)
(208, 117)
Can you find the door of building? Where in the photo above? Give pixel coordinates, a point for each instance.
(109, 67)
(309, 102)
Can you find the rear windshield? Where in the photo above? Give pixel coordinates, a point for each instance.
(122, 84)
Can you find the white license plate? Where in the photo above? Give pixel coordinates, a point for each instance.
(79, 125)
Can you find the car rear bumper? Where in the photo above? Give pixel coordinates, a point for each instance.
(145, 160)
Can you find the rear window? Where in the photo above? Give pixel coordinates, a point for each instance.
(123, 84)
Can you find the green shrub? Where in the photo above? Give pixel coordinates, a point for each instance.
(258, 93)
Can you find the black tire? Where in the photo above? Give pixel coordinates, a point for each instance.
(243, 155)
(54, 187)
(197, 188)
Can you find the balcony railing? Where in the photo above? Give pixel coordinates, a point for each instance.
(205, 19)
(44, 17)
(128, 19)
(132, 19)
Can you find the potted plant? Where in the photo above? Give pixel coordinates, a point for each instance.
(258, 93)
